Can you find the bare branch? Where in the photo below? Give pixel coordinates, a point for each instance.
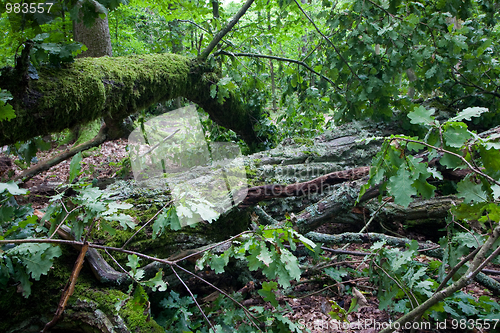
(204, 54)
(298, 62)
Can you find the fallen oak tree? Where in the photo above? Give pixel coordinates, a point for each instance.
(331, 208)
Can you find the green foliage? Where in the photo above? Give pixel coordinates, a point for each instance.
(6, 110)
(405, 176)
(265, 251)
(404, 282)
(54, 53)
(268, 292)
(74, 167)
(19, 262)
(400, 277)
(167, 219)
(16, 220)
(26, 151)
(177, 315)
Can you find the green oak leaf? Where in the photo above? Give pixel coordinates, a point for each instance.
(471, 191)
(12, 188)
(400, 187)
(133, 262)
(456, 134)
(467, 114)
(336, 274)
(421, 116)
(217, 263)
(114, 206)
(74, 167)
(37, 258)
(291, 264)
(125, 220)
(267, 292)
(157, 283)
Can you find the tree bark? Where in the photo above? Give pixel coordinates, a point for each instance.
(91, 88)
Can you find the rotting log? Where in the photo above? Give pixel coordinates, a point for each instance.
(91, 88)
(287, 164)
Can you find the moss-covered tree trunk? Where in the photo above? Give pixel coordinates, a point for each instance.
(91, 88)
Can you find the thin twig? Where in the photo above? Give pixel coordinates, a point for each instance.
(212, 246)
(373, 216)
(298, 62)
(399, 285)
(490, 258)
(456, 268)
(194, 298)
(159, 143)
(218, 37)
(248, 314)
(120, 266)
(333, 285)
(328, 40)
(479, 172)
(70, 288)
(64, 219)
(145, 224)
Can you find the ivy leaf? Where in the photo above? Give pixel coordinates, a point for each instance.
(267, 292)
(471, 191)
(400, 186)
(74, 167)
(468, 113)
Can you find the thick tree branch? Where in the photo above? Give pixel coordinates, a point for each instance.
(93, 88)
(204, 54)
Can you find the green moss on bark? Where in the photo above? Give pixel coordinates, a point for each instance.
(91, 88)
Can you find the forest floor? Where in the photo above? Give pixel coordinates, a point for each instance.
(310, 299)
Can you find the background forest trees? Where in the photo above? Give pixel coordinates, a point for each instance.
(285, 70)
